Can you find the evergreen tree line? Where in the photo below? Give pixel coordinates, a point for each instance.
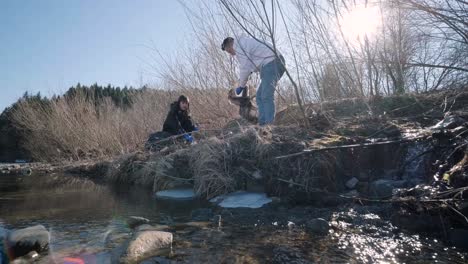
(11, 148)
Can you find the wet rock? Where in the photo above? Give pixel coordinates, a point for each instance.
(381, 189)
(351, 183)
(21, 260)
(23, 241)
(135, 221)
(459, 238)
(202, 214)
(26, 259)
(145, 244)
(26, 171)
(318, 226)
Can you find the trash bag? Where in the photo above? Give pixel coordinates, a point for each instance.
(155, 143)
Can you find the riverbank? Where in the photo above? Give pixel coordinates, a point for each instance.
(380, 171)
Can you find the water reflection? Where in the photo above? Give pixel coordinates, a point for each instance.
(87, 222)
(81, 216)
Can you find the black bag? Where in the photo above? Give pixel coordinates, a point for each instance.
(154, 142)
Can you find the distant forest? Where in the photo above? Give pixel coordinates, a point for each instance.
(11, 148)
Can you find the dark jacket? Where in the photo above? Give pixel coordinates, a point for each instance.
(178, 121)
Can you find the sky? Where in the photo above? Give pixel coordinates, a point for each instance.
(48, 46)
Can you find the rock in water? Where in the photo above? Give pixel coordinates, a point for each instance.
(242, 199)
(23, 241)
(318, 226)
(176, 194)
(381, 189)
(134, 221)
(146, 244)
(351, 183)
(29, 258)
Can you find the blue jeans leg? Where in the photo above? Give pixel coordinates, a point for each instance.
(269, 75)
(258, 98)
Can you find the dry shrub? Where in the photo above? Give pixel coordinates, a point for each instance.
(126, 169)
(221, 165)
(151, 170)
(75, 128)
(209, 164)
(170, 171)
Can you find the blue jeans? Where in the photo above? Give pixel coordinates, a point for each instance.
(270, 74)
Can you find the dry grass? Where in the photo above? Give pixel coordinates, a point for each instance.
(220, 166)
(76, 129)
(217, 166)
(211, 171)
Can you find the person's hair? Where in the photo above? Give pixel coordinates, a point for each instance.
(184, 99)
(226, 42)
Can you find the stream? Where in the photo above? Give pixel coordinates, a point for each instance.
(87, 220)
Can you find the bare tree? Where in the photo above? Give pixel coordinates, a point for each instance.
(442, 21)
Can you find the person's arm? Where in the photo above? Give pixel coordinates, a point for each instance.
(246, 66)
(188, 124)
(244, 72)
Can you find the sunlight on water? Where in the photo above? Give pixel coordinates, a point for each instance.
(91, 226)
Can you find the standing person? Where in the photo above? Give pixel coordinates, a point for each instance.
(178, 120)
(255, 56)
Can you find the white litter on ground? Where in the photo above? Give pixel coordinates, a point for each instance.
(242, 199)
(176, 194)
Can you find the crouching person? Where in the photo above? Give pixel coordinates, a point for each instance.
(178, 122)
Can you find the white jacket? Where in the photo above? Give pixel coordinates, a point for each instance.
(252, 56)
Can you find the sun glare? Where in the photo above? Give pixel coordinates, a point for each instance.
(361, 22)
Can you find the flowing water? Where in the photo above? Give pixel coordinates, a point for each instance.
(88, 221)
